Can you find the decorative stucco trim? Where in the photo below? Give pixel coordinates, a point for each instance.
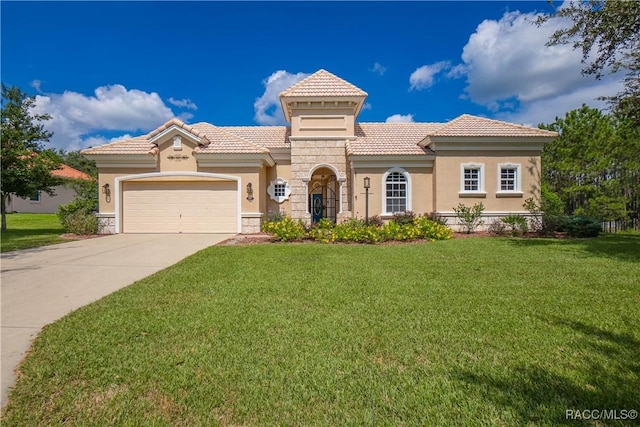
(177, 129)
(124, 160)
(118, 190)
(252, 214)
(322, 137)
(383, 161)
(233, 160)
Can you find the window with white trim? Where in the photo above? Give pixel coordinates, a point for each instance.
(396, 192)
(472, 178)
(279, 190)
(35, 197)
(509, 178)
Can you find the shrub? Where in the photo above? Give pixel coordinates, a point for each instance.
(376, 220)
(581, 226)
(516, 224)
(546, 214)
(404, 218)
(432, 230)
(286, 229)
(80, 222)
(497, 227)
(435, 217)
(78, 216)
(274, 217)
(469, 217)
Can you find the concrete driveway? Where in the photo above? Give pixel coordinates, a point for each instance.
(41, 285)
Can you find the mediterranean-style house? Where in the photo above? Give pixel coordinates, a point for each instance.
(41, 202)
(203, 178)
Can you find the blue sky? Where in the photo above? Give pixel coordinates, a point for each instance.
(104, 70)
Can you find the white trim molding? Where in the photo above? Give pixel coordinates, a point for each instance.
(408, 189)
(517, 190)
(480, 192)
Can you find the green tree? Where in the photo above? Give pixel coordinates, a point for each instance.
(594, 164)
(26, 164)
(79, 162)
(608, 33)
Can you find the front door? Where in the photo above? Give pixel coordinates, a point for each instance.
(316, 207)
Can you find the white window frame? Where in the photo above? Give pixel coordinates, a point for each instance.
(517, 190)
(480, 168)
(37, 199)
(407, 177)
(271, 190)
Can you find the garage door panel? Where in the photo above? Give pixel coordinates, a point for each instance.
(180, 207)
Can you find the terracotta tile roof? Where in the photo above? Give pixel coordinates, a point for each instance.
(390, 138)
(137, 145)
(225, 142)
(66, 171)
(264, 136)
(468, 125)
(323, 83)
(371, 138)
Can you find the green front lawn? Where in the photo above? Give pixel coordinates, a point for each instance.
(26, 230)
(471, 331)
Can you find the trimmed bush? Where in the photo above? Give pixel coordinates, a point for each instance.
(404, 218)
(80, 222)
(78, 216)
(581, 226)
(357, 231)
(285, 230)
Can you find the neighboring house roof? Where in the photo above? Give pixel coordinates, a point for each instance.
(323, 83)
(65, 171)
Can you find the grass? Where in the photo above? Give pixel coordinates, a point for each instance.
(26, 230)
(462, 332)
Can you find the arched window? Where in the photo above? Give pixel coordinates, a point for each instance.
(396, 192)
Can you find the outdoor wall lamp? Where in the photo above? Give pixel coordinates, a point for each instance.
(106, 190)
(249, 192)
(367, 185)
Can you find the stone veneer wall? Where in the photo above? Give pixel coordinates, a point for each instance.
(251, 224)
(304, 156)
(106, 223)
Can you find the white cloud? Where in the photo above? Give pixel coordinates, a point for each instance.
(367, 106)
(547, 109)
(424, 77)
(267, 107)
(183, 103)
(511, 71)
(76, 117)
(378, 68)
(36, 85)
(400, 118)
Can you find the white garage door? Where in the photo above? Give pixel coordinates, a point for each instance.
(180, 207)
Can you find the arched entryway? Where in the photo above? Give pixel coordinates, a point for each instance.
(324, 194)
